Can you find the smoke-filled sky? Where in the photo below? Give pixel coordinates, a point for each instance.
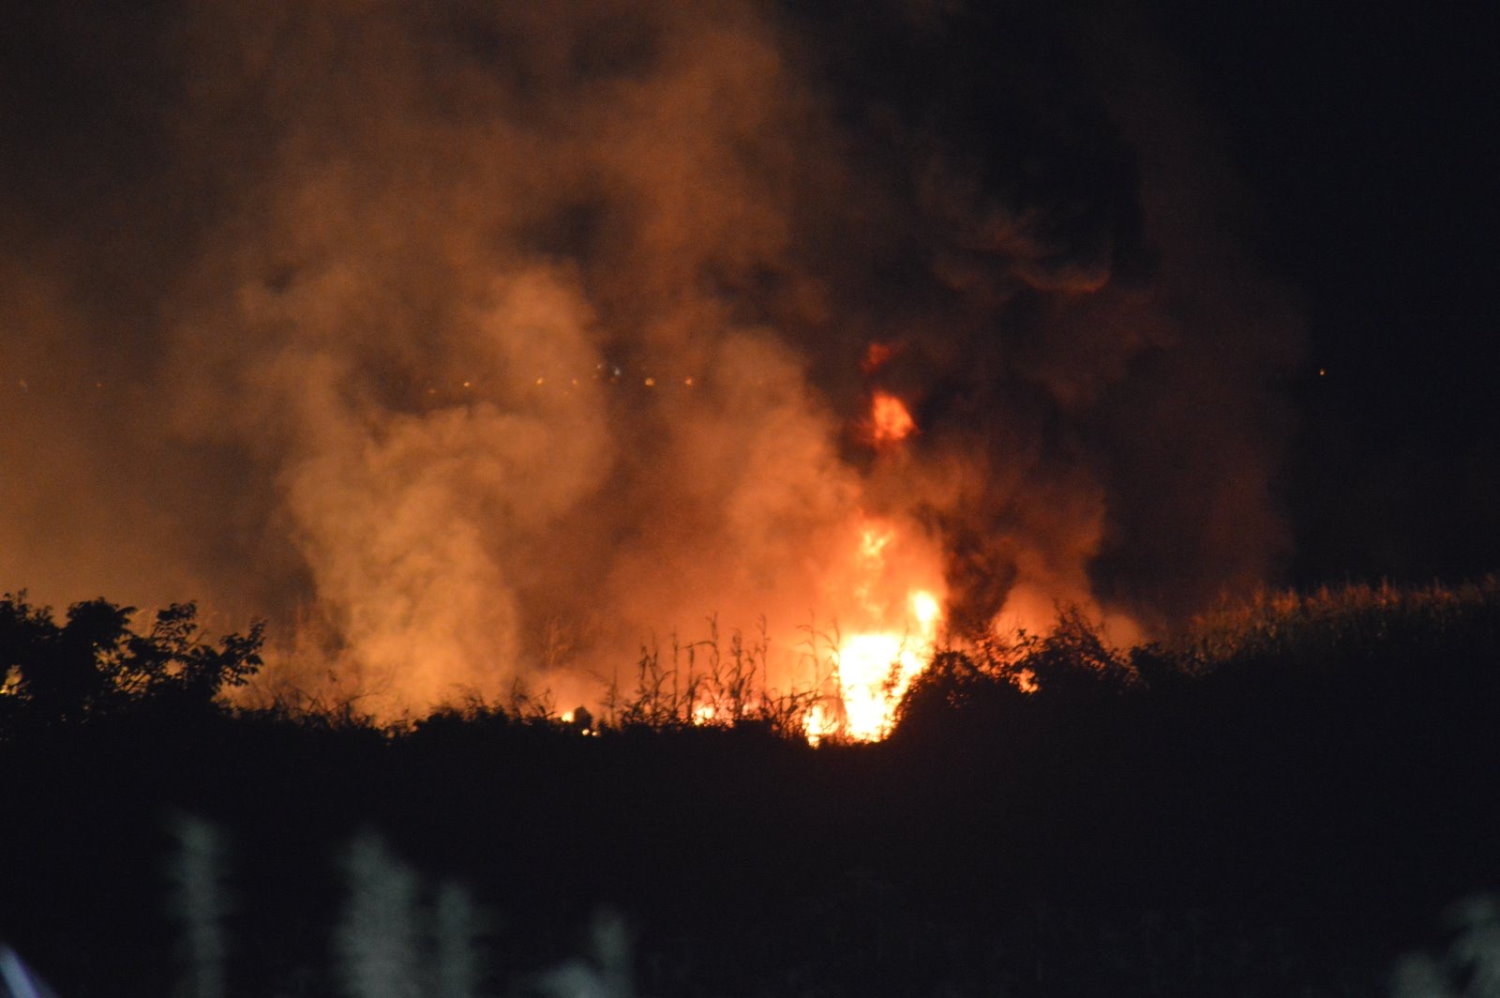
(474, 340)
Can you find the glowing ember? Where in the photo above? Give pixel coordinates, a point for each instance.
(890, 421)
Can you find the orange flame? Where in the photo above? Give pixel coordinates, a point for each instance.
(890, 421)
(874, 667)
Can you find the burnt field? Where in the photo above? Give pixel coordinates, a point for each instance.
(1284, 801)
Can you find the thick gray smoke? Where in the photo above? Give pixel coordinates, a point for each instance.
(480, 340)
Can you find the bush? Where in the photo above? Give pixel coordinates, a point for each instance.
(95, 664)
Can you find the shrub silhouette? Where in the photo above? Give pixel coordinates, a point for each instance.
(1068, 669)
(94, 664)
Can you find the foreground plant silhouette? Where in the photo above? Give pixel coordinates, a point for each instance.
(396, 936)
(399, 937)
(94, 663)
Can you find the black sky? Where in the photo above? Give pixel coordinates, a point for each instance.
(1367, 134)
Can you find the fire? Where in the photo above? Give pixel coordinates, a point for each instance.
(872, 668)
(873, 671)
(898, 603)
(890, 421)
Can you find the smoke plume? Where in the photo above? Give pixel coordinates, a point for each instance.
(473, 341)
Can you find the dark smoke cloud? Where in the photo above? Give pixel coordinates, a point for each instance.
(480, 340)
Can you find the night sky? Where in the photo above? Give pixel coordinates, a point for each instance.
(1366, 133)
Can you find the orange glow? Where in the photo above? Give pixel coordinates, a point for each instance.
(873, 667)
(873, 541)
(875, 357)
(890, 421)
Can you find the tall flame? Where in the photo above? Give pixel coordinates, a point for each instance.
(872, 668)
(897, 604)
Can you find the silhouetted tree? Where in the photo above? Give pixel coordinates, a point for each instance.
(94, 663)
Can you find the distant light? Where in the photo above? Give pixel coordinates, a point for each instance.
(541, 381)
(1322, 372)
(468, 384)
(650, 382)
(688, 382)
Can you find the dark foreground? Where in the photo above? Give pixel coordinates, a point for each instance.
(1289, 823)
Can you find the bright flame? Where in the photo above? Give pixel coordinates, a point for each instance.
(927, 610)
(873, 667)
(890, 421)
